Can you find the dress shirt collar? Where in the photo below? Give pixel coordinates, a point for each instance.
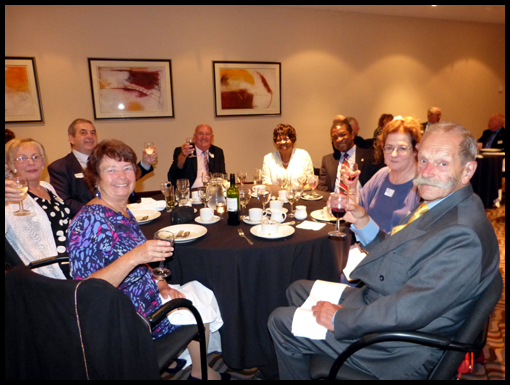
(82, 158)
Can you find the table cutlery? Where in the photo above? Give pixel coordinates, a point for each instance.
(288, 223)
(143, 218)
(182, 234)
(241, 234)
(315, 220)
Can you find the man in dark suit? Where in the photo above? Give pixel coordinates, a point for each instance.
(208, 158)
(423, 277)
(494, 136)
(66, 174)
(342, 138)
(433, 117)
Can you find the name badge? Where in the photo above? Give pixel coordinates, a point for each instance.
(79, 175)
(500, 142)
(389, 192)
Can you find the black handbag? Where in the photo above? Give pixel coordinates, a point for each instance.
(182, 214)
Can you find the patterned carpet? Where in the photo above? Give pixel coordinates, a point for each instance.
(493, 367)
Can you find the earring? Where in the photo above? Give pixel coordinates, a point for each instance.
(98, 193)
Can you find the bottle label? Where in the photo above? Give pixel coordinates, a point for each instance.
(232, 204)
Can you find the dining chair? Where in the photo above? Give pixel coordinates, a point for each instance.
(66, 329)
(470, 338)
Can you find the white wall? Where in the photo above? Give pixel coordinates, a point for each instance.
(332, 63)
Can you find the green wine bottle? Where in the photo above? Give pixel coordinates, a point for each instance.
(233, 202)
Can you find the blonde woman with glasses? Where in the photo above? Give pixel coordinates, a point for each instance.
(390, 194)
(43, 232)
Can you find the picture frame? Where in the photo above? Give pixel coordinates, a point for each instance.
(243, 88)
(22, 93)
(131, 88)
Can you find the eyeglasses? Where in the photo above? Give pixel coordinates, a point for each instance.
(24, 158)
(282, 139)
(401, 150)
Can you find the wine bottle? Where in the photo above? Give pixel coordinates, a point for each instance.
(233, 202)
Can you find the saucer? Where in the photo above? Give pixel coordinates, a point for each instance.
(214, 220)
(283, 231)
(196, 202)
(249, 222)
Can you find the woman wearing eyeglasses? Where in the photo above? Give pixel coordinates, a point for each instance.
(43, 232)
(390, 194)
(286, 160)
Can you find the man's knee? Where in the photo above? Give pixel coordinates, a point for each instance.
(299, 291)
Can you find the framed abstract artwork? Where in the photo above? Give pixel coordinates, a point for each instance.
(247, 88)
(131, 88)
(22, 97)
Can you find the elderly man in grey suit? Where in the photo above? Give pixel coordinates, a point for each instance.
(423, 277)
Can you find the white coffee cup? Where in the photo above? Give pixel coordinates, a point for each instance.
(255, 215)
(300, 213)
(195, 197)
(276, 205)
(270, 228)
(206, 214)
(282, 195)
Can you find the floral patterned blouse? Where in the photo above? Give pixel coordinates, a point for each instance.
(97, 236)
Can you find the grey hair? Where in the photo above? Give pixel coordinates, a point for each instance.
(467, 147)
(71, 130)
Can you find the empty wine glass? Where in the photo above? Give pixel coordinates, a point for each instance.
(191, 141)
(183, 191)
(206, 178)
(204, 194)
(291, 197)
(338, 204)
(242, 175)
(244, 199)
(21, 184)
(163, 235)
(282, 179)
(264, 196)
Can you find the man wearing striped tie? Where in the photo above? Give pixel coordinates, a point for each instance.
(424, 277)
(208, 158)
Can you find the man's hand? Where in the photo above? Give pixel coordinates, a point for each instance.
(324, 312)
(150, 159)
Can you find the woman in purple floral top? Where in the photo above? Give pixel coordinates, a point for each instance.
(104, 240)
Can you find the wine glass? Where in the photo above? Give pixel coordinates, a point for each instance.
(183, 191)
(244, 198)
(204, 194)
(338, 204)
(191, 141)
(349, 176)
(242, 175)
(206, 178)
(162, 271)
(291, 197)
(149, 147)
(21, 184)
(283, 180)
(264, 196)
(313, 182)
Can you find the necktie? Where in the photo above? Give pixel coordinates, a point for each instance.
(343, 188)
(488, 143)
(421, 210)
(206, 161)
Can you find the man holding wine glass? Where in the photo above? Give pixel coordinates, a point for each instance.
(424, 276)
(191, 161)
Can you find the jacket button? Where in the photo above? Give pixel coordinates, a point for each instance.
(381, 278)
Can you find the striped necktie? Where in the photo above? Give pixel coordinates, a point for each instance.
(205, 158)
(343, 187)
(421, 210)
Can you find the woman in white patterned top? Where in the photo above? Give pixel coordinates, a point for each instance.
(286, 160)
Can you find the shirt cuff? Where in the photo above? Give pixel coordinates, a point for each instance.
(146, 167)
(367, 234)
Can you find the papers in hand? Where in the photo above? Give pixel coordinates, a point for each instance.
(353, 260)
(304, 323)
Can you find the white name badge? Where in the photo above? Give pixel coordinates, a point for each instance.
(389, 192)
(79, 175)
(500, 142)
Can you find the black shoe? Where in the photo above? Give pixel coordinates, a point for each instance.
(224, 377)
(179, 364)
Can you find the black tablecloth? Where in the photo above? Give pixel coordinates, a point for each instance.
(250, 281)
(487, 179)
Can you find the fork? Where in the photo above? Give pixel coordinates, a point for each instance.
(241, 234)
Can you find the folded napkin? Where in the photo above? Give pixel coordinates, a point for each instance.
(304, 323)
(205, 302)
(148, 204)
(353, 260)
(309, 225)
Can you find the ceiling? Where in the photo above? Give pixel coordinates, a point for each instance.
(474, 13)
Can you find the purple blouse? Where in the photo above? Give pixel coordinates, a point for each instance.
(97, 236)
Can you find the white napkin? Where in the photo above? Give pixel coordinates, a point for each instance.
(309, 225)
(205, 302)
(304, 323)
(353, 260)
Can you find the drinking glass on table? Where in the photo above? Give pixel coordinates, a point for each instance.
(191, 141)
(244, 199)
(291, 197)
(204, 194)
(168, 191)
(264, 196)
(283, 180)
(183, 191)
(257, 176)
(22, 185)
(161, 271)
(206, 178)
(242, 175)
(338, 204)
(149, 147)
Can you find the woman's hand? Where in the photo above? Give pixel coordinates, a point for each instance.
(166, 291)
(152, 251)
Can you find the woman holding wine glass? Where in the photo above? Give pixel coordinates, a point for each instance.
(293, 161)
(106, 242)
(43, 232)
